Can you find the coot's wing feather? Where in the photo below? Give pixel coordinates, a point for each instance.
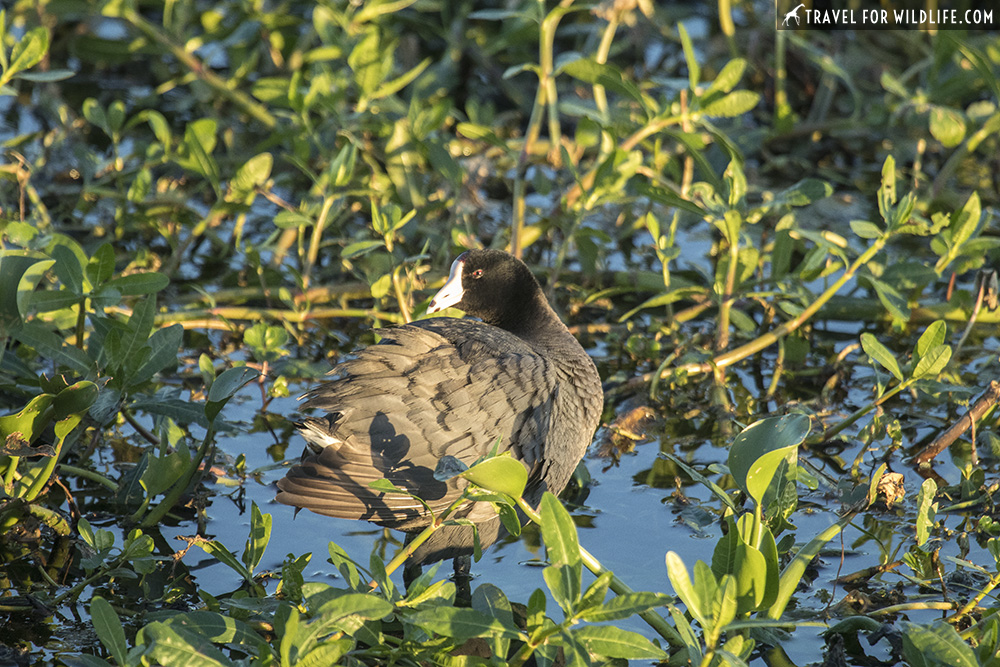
(429, 389)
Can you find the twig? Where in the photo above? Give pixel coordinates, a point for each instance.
(984, 404)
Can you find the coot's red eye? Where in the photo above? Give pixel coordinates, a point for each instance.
(478, 273)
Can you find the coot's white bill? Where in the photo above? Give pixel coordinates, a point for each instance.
(452, 291)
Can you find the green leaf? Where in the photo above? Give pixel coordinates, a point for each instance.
(881, 354)
(199, 139)
(162, 472)
(251, 174)
(116, 116)
(926, 510)
(490, 601)
(67, 268)
(177, 646)
(757, 452)
(220, 629)
(694, 69)
(335, 610)
(49, 76)
(564, 583)
(260, 535)
(937, 644)
(139, 284)
(460, 624)
(93, 112)
(734, 104)
(225, 386)
(932, 336)
(865, 229)
(750, 579)
(360, 248)
(624, 605)
(501, 474)
(802, 193)
(947, 126)
(730, 75)
(74, 399)
(134, 347)
(19, 276)
(225, 556)
(893, 301)
(109, 629)
(101, 266)
(559, 532)
(164, 344)
(590, 71)
(965, 221)
(50, 346)
(612, 642)
(28, 51)
(793, 572)
(49, 300)
(933, 362)
(698, 599)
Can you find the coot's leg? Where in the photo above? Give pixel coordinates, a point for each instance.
(463, 581)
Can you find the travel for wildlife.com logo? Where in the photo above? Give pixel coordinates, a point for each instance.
(887, 15)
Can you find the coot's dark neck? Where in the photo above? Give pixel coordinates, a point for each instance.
(533, 321)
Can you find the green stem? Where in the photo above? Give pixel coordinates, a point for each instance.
(782, 110)
(8, 477)
(722, 332)
(53, 520)
(317, 238)
(858, 414)
(603, 49)
(974, 602)
(81, 321)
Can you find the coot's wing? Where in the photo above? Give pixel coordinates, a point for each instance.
(437, 387)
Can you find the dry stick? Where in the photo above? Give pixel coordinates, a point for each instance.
(985, 403)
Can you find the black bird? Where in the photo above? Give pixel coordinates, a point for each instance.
(447, 386)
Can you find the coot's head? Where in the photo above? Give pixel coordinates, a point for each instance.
(494, 286)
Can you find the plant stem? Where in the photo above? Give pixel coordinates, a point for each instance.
(722, 332)
(603, 49)
(974, 602)
(88, 474)
(858, 414)
(317, 238)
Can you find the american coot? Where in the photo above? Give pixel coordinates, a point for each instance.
(446, 386)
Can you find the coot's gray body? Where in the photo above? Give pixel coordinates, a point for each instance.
(447, 386)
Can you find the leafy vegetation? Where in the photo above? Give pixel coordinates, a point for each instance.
(780, 256)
